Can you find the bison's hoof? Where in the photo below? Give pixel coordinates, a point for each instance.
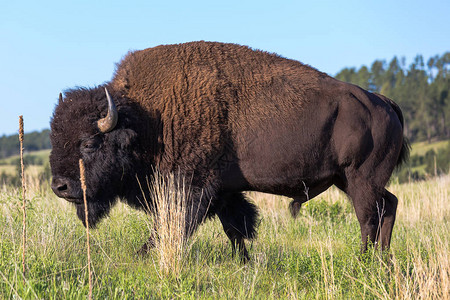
(294, 208)
(145, 249)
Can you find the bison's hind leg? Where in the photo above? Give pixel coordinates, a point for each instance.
(375, 209)
(388, 209)
(238, 217)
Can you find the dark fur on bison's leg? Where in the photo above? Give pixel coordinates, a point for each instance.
(367, 202)
(387, 224)
(238, 217)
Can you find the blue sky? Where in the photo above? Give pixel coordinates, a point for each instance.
(49, 46)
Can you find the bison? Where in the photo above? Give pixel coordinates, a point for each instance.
(233, 119)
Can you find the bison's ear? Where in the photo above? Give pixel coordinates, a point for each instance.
(123, 138)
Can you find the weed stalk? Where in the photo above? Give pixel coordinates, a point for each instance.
(86, 215)
(24, 212)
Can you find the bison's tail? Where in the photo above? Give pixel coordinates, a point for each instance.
(406, 147)
(404, 152)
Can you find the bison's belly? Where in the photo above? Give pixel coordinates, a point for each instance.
(284, 164)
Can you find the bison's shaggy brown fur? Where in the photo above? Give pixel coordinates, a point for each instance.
(205, 90)
(232, 119)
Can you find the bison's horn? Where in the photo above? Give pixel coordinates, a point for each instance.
(110, 121)
(60, 98)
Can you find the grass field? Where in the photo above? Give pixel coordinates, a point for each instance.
(9, 165)
(315, 256)
(42, 154)
(421, 148)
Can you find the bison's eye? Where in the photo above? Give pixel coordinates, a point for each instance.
(89, 146)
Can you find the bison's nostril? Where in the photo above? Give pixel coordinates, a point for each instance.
(62, 187)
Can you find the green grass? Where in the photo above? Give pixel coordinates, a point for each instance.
(42, 155)
(39, 159)
(313, 256)
(421, 148)
(11, 170)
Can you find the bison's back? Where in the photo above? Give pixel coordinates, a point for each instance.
(212, 72)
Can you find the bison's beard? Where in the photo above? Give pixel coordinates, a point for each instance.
(96, 211)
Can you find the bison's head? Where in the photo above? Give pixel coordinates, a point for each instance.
(87, 124)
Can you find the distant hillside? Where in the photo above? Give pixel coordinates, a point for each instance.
(34, 141)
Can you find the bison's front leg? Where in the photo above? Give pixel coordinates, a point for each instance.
(237, 239)
(238, 217)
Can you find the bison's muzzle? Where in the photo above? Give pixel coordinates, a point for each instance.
(66, 188)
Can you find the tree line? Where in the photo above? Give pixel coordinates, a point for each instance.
(421, 89)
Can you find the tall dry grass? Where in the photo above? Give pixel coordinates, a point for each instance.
(418, 265)
(423, 225)
(170, 207)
